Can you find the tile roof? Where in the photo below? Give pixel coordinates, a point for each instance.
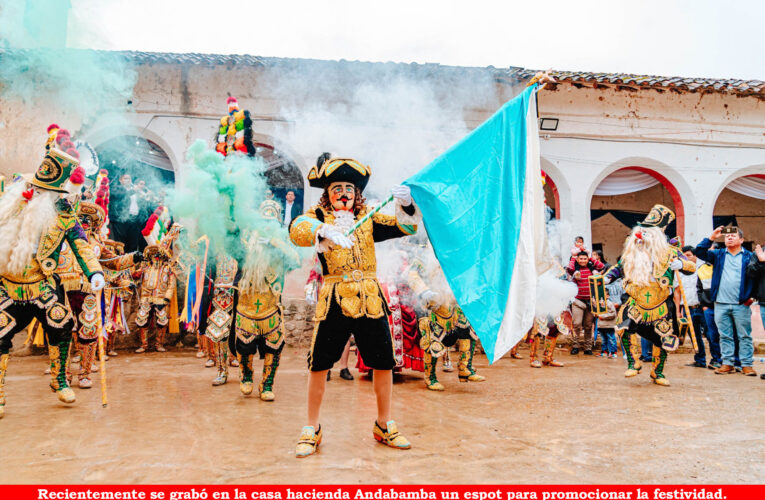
(511, 75)
(660, 83)
(192, 58)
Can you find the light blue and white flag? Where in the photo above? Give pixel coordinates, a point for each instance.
(483, 206)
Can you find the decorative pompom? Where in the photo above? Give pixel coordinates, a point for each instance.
(73, 153)
(63, 134)
(28, 193)
(230, 100)
(78, 176)
(51, 127)
(150, 224)
(67, 145)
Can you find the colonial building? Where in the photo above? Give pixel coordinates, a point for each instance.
(612, 145)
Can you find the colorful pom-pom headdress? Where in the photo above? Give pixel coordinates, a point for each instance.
(235, 131)
(61, 164)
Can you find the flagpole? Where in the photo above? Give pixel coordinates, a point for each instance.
(368, 216)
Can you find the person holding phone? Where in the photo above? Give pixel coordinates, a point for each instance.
(731, 292)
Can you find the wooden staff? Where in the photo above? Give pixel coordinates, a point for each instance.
(101, 354)
(687, 312)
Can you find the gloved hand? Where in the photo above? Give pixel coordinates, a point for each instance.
(335, 235)
(97, 282)
(402, 194)
(310, 298)
(676, 265)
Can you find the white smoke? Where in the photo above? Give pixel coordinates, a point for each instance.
(553, 294)
(395, 118)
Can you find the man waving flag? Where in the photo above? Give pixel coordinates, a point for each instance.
(483, 206)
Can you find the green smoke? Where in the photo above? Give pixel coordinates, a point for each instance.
(37, 68)
(220, 198)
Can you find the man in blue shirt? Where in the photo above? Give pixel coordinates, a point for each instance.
(731, 292)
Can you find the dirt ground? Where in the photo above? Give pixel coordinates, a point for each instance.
(583, 423)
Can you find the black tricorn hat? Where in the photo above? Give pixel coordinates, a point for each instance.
(329, 170)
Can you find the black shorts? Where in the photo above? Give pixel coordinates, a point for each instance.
(256, 346)
(373, 340)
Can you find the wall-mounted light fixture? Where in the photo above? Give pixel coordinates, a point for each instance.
(548, 124)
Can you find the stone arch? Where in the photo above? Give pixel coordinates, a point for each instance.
(731, 207)
(100, 136)
(283, 151)
(671, 179)
(752, 170)
(559, 187)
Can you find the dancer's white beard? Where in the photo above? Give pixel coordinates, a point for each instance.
(22, 225)
(639, 257)
(254, 269)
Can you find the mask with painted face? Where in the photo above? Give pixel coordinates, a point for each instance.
(342, 195)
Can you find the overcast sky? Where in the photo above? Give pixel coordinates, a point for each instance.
(670, 37)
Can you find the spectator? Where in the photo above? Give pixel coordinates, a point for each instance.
(579, 270)
(756, 271)
(689, 283)
(578, 246)
(731, 292)
(291, 209)
(119, 209)
(606, 327)
(646, 350)
(597, 256)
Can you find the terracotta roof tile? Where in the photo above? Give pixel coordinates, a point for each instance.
(723, 86)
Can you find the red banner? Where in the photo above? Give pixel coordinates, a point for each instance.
(378, 492)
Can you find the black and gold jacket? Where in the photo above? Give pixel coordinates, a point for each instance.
(350, 274)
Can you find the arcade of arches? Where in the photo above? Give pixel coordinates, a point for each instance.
(625, 197)
(144, 159)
